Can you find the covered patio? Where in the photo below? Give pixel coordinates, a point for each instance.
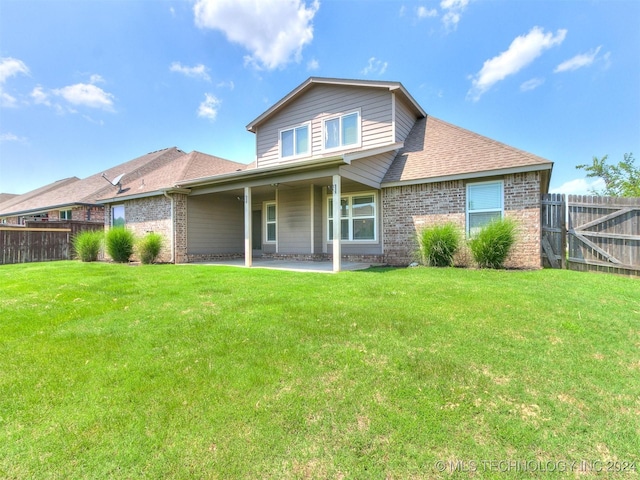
(289, 265)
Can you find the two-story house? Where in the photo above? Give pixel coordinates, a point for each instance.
(366, 153)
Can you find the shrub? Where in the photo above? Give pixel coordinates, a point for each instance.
(120, 244)
(438, 245)
(149, 247)
(491, 246)
(87, 245)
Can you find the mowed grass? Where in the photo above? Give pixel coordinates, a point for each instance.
(162, 371)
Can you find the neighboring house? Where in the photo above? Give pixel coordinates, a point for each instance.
(364, 152)
(150, 201)
(77, 199)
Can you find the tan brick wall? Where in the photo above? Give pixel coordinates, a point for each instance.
(180, 214)
(408, 209)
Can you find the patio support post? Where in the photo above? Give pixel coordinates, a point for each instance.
(248, 252)
(337, 223)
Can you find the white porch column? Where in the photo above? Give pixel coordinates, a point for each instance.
(337, 224)
(248, 252)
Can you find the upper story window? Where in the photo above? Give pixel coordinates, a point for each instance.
(342, 131)
(294, 142)
(484, 204)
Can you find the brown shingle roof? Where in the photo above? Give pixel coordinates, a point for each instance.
(437, 149)
(185, 167)
(74, 191)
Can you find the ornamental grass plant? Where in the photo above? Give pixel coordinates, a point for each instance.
(119, 242)
(149, 246)
(87, 245)
(439, 244)
(492, 245)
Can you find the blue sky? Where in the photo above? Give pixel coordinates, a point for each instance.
(86, 85)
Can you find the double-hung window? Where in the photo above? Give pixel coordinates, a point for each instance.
(270, 222)
(294, 142)
(357, 217)
(484, 204)
(342, 131)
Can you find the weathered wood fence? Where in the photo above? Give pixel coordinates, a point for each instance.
(40, 242)
(591, 233)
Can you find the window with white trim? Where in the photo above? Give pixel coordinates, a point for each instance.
(117, 216)
(270, 222)
(485, 203)
(65, 214)
(357, 217)
(342, 131)
(294, 142)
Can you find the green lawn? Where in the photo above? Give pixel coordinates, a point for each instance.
(162, 371)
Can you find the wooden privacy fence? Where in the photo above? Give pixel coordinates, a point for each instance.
(41, 243)
(602, 233)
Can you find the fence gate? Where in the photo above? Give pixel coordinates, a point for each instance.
(554, 243)
(604, 234)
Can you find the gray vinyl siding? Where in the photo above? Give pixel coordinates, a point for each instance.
(370, 170)
(322, 102)
(317, 219)
(404, 120)
(215, 225)
(294, 220)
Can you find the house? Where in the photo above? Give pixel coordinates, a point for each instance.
(150, 201)
(77, 199)
(362, 151)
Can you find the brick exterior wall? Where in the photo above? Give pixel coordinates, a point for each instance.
(180, 228)
(408, 209)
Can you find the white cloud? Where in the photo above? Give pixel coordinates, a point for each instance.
(198, 71)
(313, 64)
(579, 61)
(452, 11)
(95, 78)
(375, 66)
(579, 186)
(10, 137)
(424, 12)
(209, 107)
(531, 84)
(10, 67)
(40, 97)
(274, 31)
(402, 11)
(230, 85)
(522, 51)
(87, 95)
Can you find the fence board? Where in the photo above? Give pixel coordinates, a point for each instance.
(553, 230)
(604, 234)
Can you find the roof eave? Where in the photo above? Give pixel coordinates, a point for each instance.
(32, 211)
(469, 175)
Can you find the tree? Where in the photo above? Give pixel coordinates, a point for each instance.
(621, 180)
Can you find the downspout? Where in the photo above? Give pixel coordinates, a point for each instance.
(172, 239)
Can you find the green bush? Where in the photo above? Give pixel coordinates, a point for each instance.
(149, 247)
(438, 245)
(491, 246)
(87, 245)
(120, 243)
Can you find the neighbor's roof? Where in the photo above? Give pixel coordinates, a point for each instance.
(436, 150)
(73, 191)
(311, 81)
(186, 167)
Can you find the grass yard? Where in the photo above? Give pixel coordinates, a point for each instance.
(162, 371)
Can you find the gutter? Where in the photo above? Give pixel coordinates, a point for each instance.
(48, 208)
(467, 175)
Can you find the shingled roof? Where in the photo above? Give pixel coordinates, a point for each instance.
(189, 166)
(74, 191)
(436, 150)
